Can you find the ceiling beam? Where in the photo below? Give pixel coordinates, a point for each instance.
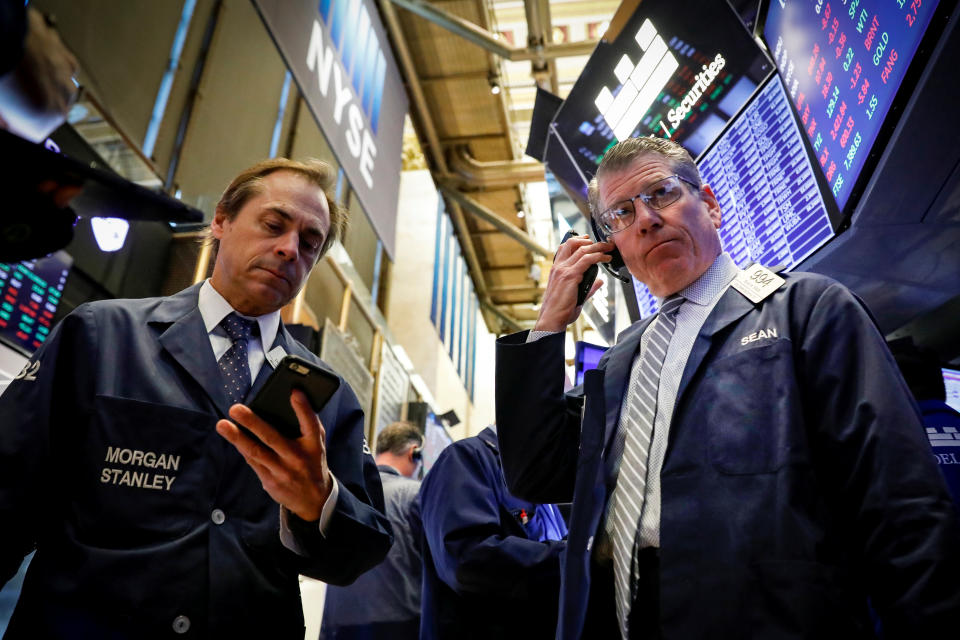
(488, 216)
(436, 155)
(489, 41)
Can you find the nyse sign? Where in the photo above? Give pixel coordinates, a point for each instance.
(338, 53)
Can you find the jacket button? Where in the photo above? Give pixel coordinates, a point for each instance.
(218, 517)
(181, 624)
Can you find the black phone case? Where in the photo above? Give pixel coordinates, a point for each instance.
(583, 289)
(272, 402)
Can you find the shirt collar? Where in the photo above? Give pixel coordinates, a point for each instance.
(214, 308)
(711, 283)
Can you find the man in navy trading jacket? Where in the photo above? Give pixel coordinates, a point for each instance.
(747, 463)
(491, 563)
(152, 514)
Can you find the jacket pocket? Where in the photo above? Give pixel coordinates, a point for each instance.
(139, 473)
(748, 405)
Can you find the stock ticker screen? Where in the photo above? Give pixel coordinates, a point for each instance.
(951, 384)
(773, 211)
(31, 294)
(842, 62)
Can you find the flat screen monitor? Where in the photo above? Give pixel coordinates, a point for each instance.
(772, 207)
(31, 294)
(843, 63)
(677, 69)
(435, 440)
(951, 382)
(586, 358)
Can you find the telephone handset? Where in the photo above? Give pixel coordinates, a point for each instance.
(590, 275)
(616, 263)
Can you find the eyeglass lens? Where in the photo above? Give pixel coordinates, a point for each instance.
(658, 195)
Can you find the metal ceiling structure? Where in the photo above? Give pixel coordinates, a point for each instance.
(472, 68)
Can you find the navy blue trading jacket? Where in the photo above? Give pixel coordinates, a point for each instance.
(797, 481)
(491, 564)
(145, 519)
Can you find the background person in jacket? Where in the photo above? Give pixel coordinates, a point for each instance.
(384, 603)
(491, 565)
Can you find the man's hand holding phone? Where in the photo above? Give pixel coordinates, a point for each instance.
(293, 471)
(575, 256)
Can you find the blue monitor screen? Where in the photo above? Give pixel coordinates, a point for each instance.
(587, 357)
(951, 382)
(31, 292)
(435, 440)
(773, 211)
(843, 62)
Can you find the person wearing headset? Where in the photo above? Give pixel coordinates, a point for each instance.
(385, 601)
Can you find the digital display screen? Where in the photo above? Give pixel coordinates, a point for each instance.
(435, 440)
(773, 211)
(951, 382)
(646, 301)
(676, 70)
(586, 358)
(31, 293)
(842, 62)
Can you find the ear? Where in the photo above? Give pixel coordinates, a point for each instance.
(217, 224)
(713, 206)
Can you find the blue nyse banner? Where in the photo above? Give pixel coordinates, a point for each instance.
(338, 52)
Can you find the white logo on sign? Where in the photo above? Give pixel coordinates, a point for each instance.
(641, 83)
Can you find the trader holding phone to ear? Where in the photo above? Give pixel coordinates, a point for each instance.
(122, 462)
(745, 464)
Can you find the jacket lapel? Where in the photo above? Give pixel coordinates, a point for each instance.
(731, 307)
(186, 340)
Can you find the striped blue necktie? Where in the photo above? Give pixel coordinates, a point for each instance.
(628, 495)
(234, 364)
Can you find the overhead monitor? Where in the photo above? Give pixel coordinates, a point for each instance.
(587, 357)
(675, 69)
(843, 63)
(31, 292)
(951, 382)
(773, 210)
(435, 440)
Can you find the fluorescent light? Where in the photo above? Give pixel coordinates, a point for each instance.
(110, 233)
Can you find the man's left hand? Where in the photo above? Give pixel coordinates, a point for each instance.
(293, 472)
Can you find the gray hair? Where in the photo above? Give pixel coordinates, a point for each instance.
(623, 154)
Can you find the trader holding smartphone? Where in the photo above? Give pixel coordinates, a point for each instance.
(123, 463)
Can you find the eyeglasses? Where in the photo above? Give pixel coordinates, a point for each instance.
(658, 195)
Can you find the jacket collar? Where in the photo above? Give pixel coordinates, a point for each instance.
(187, 341)
(489, 437)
